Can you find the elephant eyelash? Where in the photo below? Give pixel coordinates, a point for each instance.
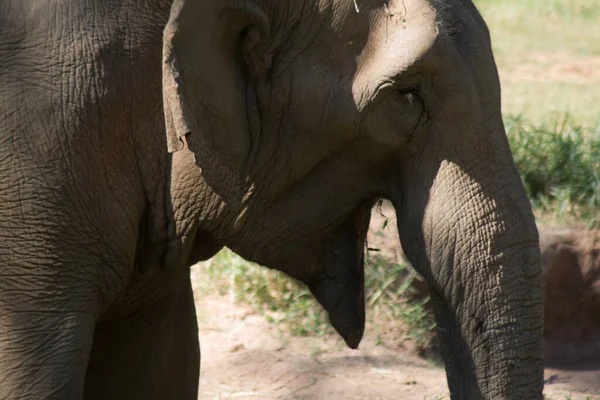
(411, 94)
(408, 99)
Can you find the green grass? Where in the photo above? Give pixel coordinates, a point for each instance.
(545, 50)
(290, 305)
(525, 26)
(559, 163)
(533, 41)
(541, 102)
(270, 293)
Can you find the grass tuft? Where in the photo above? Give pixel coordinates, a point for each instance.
(559, 163)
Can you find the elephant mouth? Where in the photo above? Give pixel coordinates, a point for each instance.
(344, 303)
(340, 286)
(334, 273)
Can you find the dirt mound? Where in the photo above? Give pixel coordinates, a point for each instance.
(571, 261)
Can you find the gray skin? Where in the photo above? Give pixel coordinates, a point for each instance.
(285, 120)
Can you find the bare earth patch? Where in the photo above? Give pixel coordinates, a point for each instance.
(245, 357)
(554, 67)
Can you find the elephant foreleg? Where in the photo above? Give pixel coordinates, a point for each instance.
(147, 347)
(44, 340)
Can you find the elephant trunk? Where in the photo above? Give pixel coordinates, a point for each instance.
(490, 326)
(469, 230)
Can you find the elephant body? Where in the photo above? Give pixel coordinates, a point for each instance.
(139, 137)
(84, 208)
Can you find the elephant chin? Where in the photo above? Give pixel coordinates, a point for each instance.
(345, 308)
(340, 289)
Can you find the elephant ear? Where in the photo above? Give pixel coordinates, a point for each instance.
(208, 57)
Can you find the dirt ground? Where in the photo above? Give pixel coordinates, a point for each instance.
(246, 357)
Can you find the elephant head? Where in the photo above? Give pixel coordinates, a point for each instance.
(299, 114)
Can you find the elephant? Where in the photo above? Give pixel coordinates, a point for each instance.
(140, 137)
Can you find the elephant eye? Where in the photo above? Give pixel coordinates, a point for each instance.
(397, 113)
(407, 99)
(411, 95)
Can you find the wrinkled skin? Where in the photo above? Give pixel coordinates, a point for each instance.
(284, 121)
